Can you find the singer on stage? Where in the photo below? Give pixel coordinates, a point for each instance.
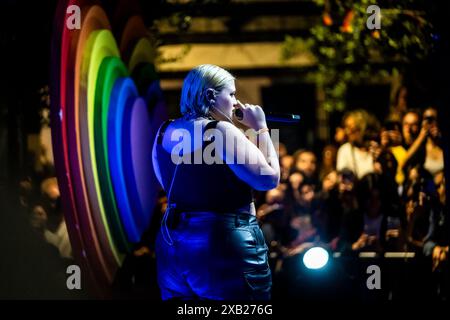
(210, 245)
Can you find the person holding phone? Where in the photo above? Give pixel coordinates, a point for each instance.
(434, 156)
(210, 245)
(391, 140)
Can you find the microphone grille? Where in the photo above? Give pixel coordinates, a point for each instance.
(239, 114)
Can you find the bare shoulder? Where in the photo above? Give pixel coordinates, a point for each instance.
(228, 129)
(173, 126)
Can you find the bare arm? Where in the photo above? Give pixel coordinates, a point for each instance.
(255, 164)
(416, 145)
(155, 159)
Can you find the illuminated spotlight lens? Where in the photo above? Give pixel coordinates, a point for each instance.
(315, 258)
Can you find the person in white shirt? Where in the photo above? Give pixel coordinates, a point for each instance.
(354, 155)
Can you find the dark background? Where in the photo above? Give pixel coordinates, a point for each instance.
(29, 269)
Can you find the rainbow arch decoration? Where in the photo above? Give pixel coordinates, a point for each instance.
(107, 105)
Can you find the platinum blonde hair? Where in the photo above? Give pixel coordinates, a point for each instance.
(194, 101)
(361, 118)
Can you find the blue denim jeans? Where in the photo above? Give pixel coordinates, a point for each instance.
(214, 256)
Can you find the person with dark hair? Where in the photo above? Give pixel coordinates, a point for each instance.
(406, 141)
(391, 140)
(437, 243)
(339, 211)
(305, 161)
(434, 157)
(420, 200)
(415, 133)
(400, 104)
(210, 245)
(302, 212)
(373, 203)
(328, 163)
(286, 164)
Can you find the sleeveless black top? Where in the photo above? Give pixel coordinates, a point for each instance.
(201, 187)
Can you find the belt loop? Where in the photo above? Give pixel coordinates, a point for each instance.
(247, 219)
(183, 218)
(236, 221)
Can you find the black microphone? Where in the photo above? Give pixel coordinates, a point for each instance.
(273, 117)
(282, 117)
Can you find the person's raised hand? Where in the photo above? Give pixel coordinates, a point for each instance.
(252, 116)
(434, 131)
(384, 138)
(396, 137)
(424, 130)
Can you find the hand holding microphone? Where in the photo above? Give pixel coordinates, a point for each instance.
(273, 117)
(249, 115)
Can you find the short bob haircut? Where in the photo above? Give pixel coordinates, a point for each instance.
(194, 102)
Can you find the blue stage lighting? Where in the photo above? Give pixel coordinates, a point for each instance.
(315, 258)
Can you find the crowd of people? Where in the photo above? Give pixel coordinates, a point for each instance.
(39, 193)
(380, 187)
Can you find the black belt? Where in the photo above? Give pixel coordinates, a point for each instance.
(177, 216)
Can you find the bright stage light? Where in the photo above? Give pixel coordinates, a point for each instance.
(315, 258)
